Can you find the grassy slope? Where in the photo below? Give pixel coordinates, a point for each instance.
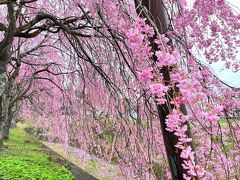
(25, 158)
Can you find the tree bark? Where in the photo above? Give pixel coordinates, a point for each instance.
(5, 54)
(3, 97)
(157, 13)
(8, 109)
(8, 122)
(4, 107)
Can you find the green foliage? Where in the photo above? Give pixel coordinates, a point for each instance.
(26, 159)
(115, 160)
(28, 168)
(158, 170)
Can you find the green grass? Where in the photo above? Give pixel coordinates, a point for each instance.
(25, 158)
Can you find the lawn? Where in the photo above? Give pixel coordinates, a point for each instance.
(25, 158)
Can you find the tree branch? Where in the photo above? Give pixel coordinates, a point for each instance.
(4, 2)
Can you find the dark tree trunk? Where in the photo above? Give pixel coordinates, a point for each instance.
(4, 114)
(158, 15)
(8, 122)
(3, 100)
(5, 54)
(8, 109)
